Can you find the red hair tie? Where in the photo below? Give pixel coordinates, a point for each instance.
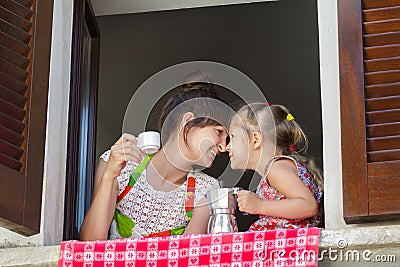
(269, 104)
(293, 148)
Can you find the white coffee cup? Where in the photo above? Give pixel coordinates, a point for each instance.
(149, 142)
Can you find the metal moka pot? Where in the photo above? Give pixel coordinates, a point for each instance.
(222, 204)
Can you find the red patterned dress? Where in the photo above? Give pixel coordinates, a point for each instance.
(265, 191)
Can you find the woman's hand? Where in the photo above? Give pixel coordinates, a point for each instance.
(125, 149)
(248, 202)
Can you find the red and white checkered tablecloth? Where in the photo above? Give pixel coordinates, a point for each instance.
(294, 247)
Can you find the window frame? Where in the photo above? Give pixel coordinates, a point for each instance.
(83, 14)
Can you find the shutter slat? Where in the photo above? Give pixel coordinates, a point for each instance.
(12, 97)
(382, 90)
(12, 84)
(380, 14)
(14, 32)
(383, 103)
(385, 116)
(386, 155)
(11, 150)
(382, 77)
(381, 39)
(11, 137)
(13, 45)
(382, 64)
(17, 8)
(12, 110)
(386, 169)
(25, 3)
(15, 20)
(13, 71)
(376, 65)
(370, 4)
(13, 57)
(383, 143)
(11, 123)
(388, 51)
(384, 129)
(382, 26)
(10, 162)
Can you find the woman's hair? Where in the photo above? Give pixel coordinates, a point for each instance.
(290, 138)
(199, 98)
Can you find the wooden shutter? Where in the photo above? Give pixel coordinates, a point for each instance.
(25, 38)
(369, 44)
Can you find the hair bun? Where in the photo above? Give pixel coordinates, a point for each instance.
(198, 86)
(198, 80)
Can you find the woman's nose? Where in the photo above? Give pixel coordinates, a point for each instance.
(222, 146)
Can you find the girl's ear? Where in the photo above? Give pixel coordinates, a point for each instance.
(256, 140)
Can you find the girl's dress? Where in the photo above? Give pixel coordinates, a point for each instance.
(265, 191)
(156, 211)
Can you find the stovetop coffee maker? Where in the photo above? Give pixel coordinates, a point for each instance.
(222, 204)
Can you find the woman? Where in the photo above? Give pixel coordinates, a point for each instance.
(164, 196)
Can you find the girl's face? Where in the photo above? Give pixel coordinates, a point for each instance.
(238, 146)
(205, 143)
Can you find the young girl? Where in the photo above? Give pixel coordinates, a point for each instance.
(267, 139)
(163, 196)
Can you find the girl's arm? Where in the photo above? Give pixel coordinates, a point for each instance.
(99, 216)
(299, 203)
(198, 223)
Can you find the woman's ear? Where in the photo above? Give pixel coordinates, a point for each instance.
(256, 140)
(188, 116)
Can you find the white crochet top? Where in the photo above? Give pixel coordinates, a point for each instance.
(155, 211)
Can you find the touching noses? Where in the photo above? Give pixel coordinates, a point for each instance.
(228, 147)
(222, 145)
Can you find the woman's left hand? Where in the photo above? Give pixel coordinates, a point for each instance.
(248, 202)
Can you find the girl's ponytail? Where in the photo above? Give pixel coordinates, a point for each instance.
(292, 141)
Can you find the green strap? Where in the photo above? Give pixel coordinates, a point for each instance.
(124, 223)
(139, 169)
(134, 176)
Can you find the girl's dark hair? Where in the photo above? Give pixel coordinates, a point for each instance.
(290, 137)
(197, 97)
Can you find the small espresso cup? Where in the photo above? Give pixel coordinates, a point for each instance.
(149, 142)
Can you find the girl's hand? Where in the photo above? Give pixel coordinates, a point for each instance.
(125, 149)
(248, 202)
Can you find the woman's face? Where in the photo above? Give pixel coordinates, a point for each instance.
(205, 143)
(238, 146)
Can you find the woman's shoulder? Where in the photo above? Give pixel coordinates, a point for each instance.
(205, 180)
